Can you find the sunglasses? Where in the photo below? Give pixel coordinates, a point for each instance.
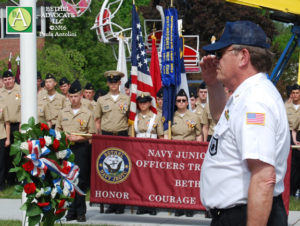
(180, 100)
(219, 54)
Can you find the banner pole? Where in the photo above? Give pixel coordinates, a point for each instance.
(169, 130)
(132, 131)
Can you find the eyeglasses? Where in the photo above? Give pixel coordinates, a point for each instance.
(181, 100)
(219, 54)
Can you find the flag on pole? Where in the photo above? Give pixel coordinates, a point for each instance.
(140, 77)
(184, 84)
(154, 66)
(9, 63)
(122, 66)
(171, 72)
(18, 80)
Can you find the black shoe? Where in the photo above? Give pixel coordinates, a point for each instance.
(71, 217)
(189, 213)
(81, 218)
(179, 213)
(110, 210)
(141, 211)
(153, 212)
(119, 211)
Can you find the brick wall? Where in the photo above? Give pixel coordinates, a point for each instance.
(13, 45)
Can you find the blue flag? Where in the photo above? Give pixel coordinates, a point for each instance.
(171, 70)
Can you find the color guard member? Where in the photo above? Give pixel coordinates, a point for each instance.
(159, 100)
(186, 126)
(112, 116)
(89, 93)
(147, 125)
(78, 119)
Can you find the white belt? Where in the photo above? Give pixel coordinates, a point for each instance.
(146, 135)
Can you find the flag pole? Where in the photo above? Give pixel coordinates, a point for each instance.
(171, 3)
(169, 130)
(133, 1)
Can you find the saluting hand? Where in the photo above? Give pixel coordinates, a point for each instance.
(208, 66)
(7, 142)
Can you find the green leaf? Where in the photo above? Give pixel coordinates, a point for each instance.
(17, 135)
(16, 169)
(17, 158)
(25, 127)
(33, 210)
(24, 207)
(34, 220)
(71, 158)
(31, 121)
(19, 188)
(14, 149)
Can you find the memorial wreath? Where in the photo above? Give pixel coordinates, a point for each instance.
(44, 166)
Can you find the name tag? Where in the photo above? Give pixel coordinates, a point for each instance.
(65, 119)
(106, 107)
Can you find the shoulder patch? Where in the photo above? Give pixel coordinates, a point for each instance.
(254, 118)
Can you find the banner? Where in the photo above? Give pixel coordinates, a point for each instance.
(146, 172)
(150, 172)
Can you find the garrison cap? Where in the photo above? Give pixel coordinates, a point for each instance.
(38, 75)
(181, 93)
(202, 85)
(127, 84)
(143, 97)
(50, 76)
(160, 93)
(295, 87)
(113, 76)
(193, 92)
(99, 93)
(89, 86)
(63, 81)
(75, 87)
(7, 74)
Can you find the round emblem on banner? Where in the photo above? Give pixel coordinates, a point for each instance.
(113, 165)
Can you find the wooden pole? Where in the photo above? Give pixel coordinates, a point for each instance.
(171, 3)
(169, 130)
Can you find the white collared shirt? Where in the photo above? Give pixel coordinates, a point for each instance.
(253, 125)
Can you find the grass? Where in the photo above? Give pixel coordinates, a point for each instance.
(294, 204)
(18, 223)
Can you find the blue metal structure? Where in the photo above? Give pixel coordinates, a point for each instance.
(286, 55)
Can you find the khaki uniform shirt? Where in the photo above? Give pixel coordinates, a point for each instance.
(113, 114)
(143, 123)
(3, 118)
(200, 112)
(42, 98)
(53, 107)
(292, 114)
(12, 99)
(81, 122)
(85, 103)
(185, 128)
(208, 117)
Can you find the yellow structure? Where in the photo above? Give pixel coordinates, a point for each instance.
(290, 6)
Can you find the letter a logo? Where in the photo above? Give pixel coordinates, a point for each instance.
(19, 20)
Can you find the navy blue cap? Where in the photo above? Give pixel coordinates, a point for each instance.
(181, 93)
(63, 81)
(295, 87)
(38, 75)
(75, 87)
(193, 92)
(241, 32)
(89, 86)
(7, 74)
(50, 76)
(202, 85)
(160, 93)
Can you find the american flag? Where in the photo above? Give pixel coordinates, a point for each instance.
(256, 118)
(140, 77)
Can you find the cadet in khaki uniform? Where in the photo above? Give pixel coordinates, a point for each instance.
(186, 126)
(293, 109)
(112, 116)
(64, 86)
(207, 118)
(147, 125)
(159, 100)
(4, 143)
(78, 119)
(200, 109)
(193, 99)
(10, 95)
(55, 101)
(41, 93)
(89, 93)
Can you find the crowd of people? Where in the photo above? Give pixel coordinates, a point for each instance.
(79, 111)
(247, 146)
